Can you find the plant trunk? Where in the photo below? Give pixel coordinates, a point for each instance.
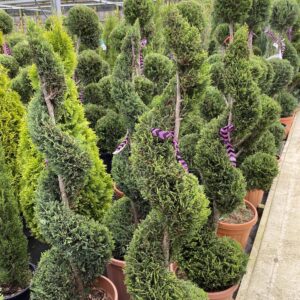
(177, 109)
(166, 248)
(78, 282)
(78, 46)
(231, 32)
(250, 41)
(134, 212)
(216, 215)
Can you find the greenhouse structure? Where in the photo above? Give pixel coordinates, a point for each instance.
(149, 149)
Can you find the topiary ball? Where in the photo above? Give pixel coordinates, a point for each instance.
(22, 53)
(83, 22)
(213, 263)
(277, 129)
(144, 88)
(259, 170)
(9, 63)
(6, 22)
(93, 113)
(91, 67)
(287, 102)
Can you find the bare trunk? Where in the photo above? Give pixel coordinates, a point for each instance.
(166, 248)
(231, 32)
(177, 109)
(216, 215)
(135, 65)
(78, 45)
(134, 212)
(250, 41)
(78, 282)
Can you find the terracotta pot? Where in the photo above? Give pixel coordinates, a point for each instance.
(255, 197)
(115, 273)
(105, 284)
(118, 194)
(223, 295)
(238, 232)
(287, 122)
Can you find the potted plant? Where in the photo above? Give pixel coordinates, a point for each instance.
(178, 204)
(15, 270)
(80, 245)
(214, 264)
(251, 113)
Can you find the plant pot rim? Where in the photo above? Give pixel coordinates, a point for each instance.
(107, 281)
(287, 118)
(117, 262)
(243, 225)
(32, 267)
(230, 290)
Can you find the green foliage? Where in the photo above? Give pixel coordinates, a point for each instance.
(6, 22)
(232, 11)
(14, 260)
(259, 170)
(277, 129)
(159, 69)
(116, 37)
(221, 33)
(30, 164)
(144, 88)
(287, 102)
(258, 14)
(22, 53)
(9, 63)
(192, 12)
(22, 85)
(11, 114)
(14, 38)
(147, 277)
(240, 86)
(213, 104)
(83, 22)
(138, 9)
(213, 263)
(284, 14)
(109, 129)
(292, 56)
(91, 67)
(217, 71)
(93, 113)
(120, 222)
(224, 185)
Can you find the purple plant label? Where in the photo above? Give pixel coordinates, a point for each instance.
(143, 44)
(6, 49)
(123, 145)
(167, 135)
(225, 137)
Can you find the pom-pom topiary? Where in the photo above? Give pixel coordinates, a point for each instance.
(93, 112)
(144, 88)
(83, 22)
(287, 102)
(9, 63)
(6, 22)
(259, 170)
(277, 129)
(22, 53)
(91, 67)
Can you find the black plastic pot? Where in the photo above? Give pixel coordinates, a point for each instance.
(107, 159)
(24, 294)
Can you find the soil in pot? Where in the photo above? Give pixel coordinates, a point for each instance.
(103, 289)
(17, 293)
(238, 225)
(223, 295)
(115, 272)
(255, 197)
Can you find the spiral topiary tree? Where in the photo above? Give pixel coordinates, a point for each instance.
(83, 22)
(14, 260)
(80, 245)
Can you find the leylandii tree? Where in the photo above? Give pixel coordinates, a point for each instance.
(177, 201)
(80, 245)
(14, 265)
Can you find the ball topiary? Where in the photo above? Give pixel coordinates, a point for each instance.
(287, 102)
(217, 70)
(259, 170)
(213, 263)
(93, 112)
(277, 129)
(159, 69)
(9, 63)
(283, 74)
(22, 53)
(284, 14)
(22, 85)
(144, 88)
(213, 104)
(258, 14)
(14, 38)
(6, 22)
(109, 129)
(192, 11)
(292, 56)
(83, 22)
(91, 67)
